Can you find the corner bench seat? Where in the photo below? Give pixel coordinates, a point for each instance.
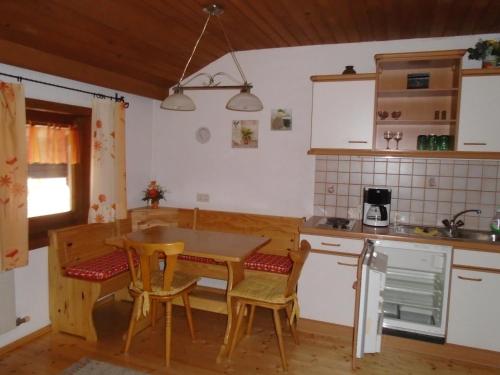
(102, 267)
(258, 261)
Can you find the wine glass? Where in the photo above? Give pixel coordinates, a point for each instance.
(388, 135)
(397, 137)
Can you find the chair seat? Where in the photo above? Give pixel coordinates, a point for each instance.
(259, 288)
(269, 263)
(101, 268)
(180, 282)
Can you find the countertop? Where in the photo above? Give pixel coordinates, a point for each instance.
(388, 233)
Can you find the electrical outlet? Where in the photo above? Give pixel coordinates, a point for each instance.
(202, 197)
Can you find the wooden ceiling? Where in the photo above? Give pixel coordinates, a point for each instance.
(141, 46)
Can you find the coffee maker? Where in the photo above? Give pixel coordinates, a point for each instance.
(376, 206)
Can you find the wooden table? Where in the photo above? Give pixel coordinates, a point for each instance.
(230, 248)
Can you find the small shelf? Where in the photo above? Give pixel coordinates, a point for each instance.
(406, 153)
(412, 93)
(415, 122)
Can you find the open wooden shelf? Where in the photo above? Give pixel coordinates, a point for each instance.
(406, 153)
(411, 93)
(415, 122)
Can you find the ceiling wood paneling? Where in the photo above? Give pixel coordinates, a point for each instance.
(141, 46)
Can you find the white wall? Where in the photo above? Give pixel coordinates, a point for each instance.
(32, 293)
(277, 178)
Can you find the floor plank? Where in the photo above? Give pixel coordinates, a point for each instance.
(256, 354)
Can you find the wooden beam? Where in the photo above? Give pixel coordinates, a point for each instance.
(30, 58)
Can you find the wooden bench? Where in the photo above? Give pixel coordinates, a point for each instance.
(72, 298)
(283, 232)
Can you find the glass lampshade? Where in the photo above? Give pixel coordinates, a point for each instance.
(178, 101)
(245, 101)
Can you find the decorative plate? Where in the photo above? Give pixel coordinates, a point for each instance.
(203, 135)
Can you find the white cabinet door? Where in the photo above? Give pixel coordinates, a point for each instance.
(474, 309)
(342, 114)
(325, 288)
(479, 125)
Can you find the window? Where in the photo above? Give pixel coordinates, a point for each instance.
(58, 194)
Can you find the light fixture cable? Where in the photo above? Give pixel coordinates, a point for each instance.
(194, 49)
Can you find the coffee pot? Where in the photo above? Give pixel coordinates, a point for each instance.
(376, 206)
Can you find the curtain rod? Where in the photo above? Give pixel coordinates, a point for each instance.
(96, 94)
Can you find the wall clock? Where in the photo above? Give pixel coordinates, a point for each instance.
(203, 135)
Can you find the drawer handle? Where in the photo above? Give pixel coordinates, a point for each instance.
(475, 143)
(347, 264)
(330, 244)
(470, 278)
(357, 141)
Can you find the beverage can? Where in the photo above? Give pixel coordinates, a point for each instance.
(422, 142)
(433, 142)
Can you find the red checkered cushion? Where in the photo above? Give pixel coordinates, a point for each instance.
(198, 259)
(269, 263)
(101, 268)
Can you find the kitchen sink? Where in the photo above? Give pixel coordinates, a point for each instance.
(439, 232)
(476, 235)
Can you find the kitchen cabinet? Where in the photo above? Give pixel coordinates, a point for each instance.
(417, 93)
(342, 114)
(480, 114)
(474, 300)
(326, 283)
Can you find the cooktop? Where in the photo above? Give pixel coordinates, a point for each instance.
(336, 223)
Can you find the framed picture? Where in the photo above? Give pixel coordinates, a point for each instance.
(245, 133)
(281, 119)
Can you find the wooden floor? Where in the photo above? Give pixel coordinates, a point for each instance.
(258, 353)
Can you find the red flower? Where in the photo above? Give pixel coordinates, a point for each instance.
(99, 218)
(97, 145)
(12, 253)
(98, 124)
(5, 180)
(11, 160)
(102, 198)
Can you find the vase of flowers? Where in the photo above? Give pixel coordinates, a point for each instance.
(153, 194)
(488, 51)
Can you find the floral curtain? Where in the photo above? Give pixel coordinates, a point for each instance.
(13, 178)
(53, 145)
(108, 201)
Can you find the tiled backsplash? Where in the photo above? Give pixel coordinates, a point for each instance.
(424, 191)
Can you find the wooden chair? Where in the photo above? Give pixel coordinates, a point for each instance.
(271, 293)
(151, 286)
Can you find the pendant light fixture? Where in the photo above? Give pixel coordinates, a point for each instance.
(243, 101)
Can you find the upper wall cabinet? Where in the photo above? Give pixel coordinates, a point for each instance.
(480, 113)
(417, 93)
(342, 112)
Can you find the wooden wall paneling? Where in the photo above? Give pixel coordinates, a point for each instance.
(30, 58)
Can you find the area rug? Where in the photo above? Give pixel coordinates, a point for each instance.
(88, 366)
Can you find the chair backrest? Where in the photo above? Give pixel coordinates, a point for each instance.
(148, 261)
(298, 258)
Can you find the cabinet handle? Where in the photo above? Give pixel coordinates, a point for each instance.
(469, 278)
(330, 244)
(475, 143)
(347, 264)
(357, 141)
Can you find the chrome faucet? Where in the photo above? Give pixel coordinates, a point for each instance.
(452, 225)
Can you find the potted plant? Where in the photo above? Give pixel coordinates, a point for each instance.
(153, 194)
(246, 135)
(488, 51)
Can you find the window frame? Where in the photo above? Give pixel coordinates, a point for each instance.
(41, 111)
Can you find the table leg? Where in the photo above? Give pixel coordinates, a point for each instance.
(234, 276)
